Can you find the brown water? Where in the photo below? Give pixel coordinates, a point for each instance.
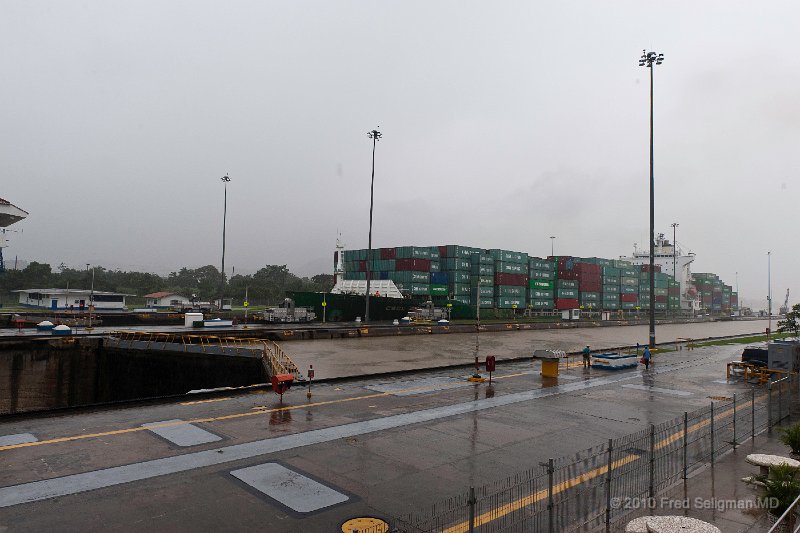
(357, 356)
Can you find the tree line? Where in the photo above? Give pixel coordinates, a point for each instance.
(268, 286)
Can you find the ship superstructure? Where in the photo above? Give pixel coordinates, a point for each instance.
(672, 260)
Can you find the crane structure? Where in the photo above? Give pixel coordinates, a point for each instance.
(9, 214)
(785, 307)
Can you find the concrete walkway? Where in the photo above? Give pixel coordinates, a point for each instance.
(718, 495)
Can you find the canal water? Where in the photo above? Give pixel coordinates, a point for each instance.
(359, 356)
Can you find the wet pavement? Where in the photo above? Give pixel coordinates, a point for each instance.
(361, 447)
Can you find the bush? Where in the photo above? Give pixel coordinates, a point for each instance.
(790, 436)
(781, 488)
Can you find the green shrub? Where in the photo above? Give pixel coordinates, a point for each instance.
(781, 488)
(790, 436)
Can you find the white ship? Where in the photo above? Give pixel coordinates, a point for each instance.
(672, 261)
(9, 214)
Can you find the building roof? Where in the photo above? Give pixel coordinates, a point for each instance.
(73, 291)
(162, 294)
(9, 213)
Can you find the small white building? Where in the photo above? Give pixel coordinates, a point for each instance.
(73, 299)
(165, 300)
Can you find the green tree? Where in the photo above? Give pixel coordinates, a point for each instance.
(791, 323)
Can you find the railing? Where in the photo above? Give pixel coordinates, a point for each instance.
(605, 486)
(788, 519)
(277, 362)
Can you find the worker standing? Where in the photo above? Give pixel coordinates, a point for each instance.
(587, 356)
(646, 357)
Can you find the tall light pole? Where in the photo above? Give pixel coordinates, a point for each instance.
(552, 246)
(649, 60)
(375, 135)
(674, 250)
(769, 294)
(225, 180)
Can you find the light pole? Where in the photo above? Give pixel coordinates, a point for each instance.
(674, 250)
(375, 135)
(552, 246)
(225, 180)
(649, 59)
(91, 300)
(769, 294)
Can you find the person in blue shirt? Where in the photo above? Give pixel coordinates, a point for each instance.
(646, 357)
(587, 357)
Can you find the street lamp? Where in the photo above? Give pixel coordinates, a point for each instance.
(375, 135)
(552, 246)
(649, 59)
(225, 180)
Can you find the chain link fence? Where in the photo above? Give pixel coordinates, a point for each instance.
(605, 486)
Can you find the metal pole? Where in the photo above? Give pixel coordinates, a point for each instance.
(769, 294)
(91, 301)
(734, 421)
(769, 407)
(753, 412)
(652, 225)
(712, 434)
(608, 486)
(550, 509)
(472, 502)
(780, 402)
(685, 443)
(651, 492)
(225, 179)
(375, 134)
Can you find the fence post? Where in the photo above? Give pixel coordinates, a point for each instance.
(550, 509)
(608, 486)
(651, 493)
(753, 412)
(472, 502)
(734, 421)
(712, 433)
(769, 407)
(685, 442)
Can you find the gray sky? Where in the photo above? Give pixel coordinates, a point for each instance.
(503, 123)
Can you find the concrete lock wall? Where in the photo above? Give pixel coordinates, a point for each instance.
(49, 374)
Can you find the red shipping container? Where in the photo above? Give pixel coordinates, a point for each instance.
(387, 253)
(629, 298)
(417, 265)
(568, 274)
(674, 291)
(588, 268)
(661, 299)
(589, 286)
(567, 303)
(646, 268)
(442, 251)
(517, 280)
(362, 266)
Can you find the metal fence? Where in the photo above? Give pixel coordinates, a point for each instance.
(605, 486)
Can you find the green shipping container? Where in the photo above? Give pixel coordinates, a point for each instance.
(628, 305)
(541, 304)
(510, 268)
(660, 306)
(609, 306)
(629, 273)
(459, 289)
(354, 255)
(484, 302)
(410, 277)
(435, 266)
(566, 284)
(481, 259)
(482, 270)
(542, 274)
(412, 252)
(627, 289)
(457, 276)
(535, 263)
(414, 288)
(661, 292)
(501, 291)
(633, 282)
(462, 300)
(611, 289)
(355, 275)
(541, 284)
(463, 252)
(482, 281)
(567, 293)
(449, 264)
(537, 294)
(509, 303)
(589, 296)
(610, 280)
(611, 272)
(438, 290)
(509, 256)
(610, 297)
(486, 291)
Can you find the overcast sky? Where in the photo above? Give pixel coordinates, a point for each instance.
(503, 123)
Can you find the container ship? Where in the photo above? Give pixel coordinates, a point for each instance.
(503, 283)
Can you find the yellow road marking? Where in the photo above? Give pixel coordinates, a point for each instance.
(521, 503)
(205, 401)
